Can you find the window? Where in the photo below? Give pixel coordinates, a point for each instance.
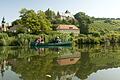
(70, 27)
(71, 59)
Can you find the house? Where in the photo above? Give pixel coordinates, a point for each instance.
(68, 29)
(14, 28)
(17, 27)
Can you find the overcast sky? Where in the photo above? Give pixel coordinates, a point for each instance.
(98, 8)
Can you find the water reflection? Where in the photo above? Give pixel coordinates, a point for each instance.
(6, 72)
(68, 60)
(86, 62)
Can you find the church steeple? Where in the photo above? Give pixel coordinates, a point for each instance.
(3, 20)
(3, 24)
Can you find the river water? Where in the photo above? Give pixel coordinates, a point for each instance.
(85, 62)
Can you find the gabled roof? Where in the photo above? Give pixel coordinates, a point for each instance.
(67, 27)
(15, 27)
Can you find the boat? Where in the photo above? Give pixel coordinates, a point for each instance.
(69, 43)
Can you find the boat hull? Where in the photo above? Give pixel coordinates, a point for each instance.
(51, 44)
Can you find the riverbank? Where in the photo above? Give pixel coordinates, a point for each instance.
(97, 39)
(25, 39)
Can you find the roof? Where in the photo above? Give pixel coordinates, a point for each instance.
(14, 27)
(67, 27)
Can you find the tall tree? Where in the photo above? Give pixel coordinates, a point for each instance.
(43, 21)
(36, 22)
(50, 14)
(84, 21)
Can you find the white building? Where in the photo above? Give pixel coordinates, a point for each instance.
(65, 15)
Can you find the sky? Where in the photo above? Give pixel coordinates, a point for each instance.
(97, 8)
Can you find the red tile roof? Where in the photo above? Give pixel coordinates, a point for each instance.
(67, 27)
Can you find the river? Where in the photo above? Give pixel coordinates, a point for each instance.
(85, 62)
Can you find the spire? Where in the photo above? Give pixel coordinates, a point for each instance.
(3, 20)
(58, 14)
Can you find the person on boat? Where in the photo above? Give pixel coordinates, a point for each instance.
(39, 40)
(57, 40)
(42, 40)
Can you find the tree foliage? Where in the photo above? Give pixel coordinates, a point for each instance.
(50, 14)
(35, 21)
(84, 21)
(108, 21)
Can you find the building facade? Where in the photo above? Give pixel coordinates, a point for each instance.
(68, 29)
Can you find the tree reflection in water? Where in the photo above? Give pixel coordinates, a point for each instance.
(59, 63)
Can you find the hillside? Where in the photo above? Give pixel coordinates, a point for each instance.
(102, 27)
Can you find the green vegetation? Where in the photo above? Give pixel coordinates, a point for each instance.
(37, 63)
(101, 32)
(103, 27)
(26, 39)
(84, 21)
(36, 22)
(98, 39)
(92, 30)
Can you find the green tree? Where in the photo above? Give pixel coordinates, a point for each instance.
(21, 30)
(50, 14)
(43, 21)
(84, 21)
(108, 21)
(36, 22)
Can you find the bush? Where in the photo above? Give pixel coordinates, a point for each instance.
(3, 42)
(95, 34)
(25, 39)
(82, 35)
(3, 36)
(12, 41)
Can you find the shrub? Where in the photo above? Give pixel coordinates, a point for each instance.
(25, 39)
(3, 36)
(12, 41)
(3, 42)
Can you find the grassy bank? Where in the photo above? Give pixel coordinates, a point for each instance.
(26, 39)
(98, 39)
